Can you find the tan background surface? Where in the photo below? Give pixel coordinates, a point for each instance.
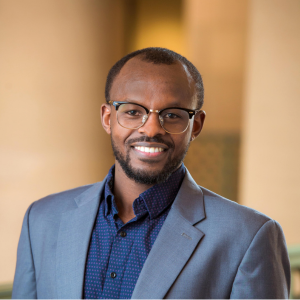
(270, 164)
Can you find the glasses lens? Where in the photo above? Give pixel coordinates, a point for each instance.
(131, 115)
(175, 120)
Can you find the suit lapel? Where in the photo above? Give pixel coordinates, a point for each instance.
(73, 242)
(175, 243)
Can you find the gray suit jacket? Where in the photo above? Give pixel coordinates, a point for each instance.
(208, 247)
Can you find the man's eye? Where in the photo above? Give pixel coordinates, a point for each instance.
(171, 116)
(133, 113)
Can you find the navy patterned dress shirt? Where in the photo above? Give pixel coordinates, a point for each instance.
(118, 251)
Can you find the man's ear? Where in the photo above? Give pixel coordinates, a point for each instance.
(198, 124)
(105, 113)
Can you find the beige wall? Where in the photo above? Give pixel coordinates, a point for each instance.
(270, 176)
(157, 23)
(215, 35)
(54, 56)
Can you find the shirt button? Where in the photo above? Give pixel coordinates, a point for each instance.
(123, 233)
(113, 275)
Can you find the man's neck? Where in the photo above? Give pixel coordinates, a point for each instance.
(126, 191)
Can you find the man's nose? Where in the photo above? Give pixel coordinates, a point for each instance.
(152, 126)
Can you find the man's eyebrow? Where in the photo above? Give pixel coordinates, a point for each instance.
(130, 100)
(172, 104)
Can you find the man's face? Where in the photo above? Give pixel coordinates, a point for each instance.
(155, 87)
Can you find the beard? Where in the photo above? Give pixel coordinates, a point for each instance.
(148, 177)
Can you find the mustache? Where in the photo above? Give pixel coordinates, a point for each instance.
(155, 139)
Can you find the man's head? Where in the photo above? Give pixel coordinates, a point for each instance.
(157, 79)
(160, 56)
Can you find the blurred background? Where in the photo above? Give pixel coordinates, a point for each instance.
(54, 58)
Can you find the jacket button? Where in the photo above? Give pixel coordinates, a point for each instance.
(113, 275)
(123, 233)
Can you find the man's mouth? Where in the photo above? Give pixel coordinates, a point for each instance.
(149, 149)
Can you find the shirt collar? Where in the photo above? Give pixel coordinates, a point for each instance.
(154, 200)
(110, 205)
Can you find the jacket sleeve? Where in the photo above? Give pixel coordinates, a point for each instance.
(24, 286)
(264, 271)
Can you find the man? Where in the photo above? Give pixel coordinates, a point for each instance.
(148, 230)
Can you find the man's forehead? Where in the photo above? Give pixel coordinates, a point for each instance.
(137, 68)
(139, 77)
(139, 65)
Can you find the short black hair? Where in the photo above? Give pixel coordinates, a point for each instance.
(156, 55)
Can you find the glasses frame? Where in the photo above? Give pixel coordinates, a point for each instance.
(191, 113)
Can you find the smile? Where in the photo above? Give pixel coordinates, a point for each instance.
(149, 149)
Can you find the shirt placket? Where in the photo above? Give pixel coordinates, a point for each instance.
(119, 254)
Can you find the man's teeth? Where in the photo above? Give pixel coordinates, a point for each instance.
(149, 149)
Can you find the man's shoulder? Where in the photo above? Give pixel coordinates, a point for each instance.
(230, 214)
(208, 209)
(220, 203)
(58, 203)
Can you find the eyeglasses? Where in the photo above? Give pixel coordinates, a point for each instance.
(173, 120)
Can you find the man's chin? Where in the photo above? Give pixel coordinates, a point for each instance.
(148, 176)
(148, 171)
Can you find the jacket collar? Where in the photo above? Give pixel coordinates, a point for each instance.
(189, 202)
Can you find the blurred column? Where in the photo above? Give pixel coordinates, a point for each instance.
(54, 57)
(154, 23)
(270, 176)
(215, 32)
